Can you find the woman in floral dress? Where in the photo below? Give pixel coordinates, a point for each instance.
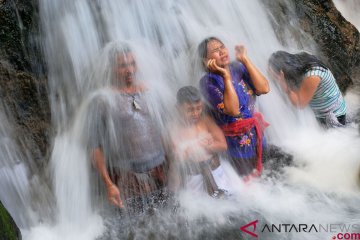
(230, 89)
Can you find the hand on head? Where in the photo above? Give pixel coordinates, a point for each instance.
(213, 67)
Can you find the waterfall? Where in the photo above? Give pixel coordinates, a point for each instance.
(350, 10)
(321, 187)
(14, 181)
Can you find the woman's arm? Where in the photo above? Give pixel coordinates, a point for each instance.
(113, 192)
(259, 82)
(231, 100)
(304, 94)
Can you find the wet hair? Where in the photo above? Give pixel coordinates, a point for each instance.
(294, 66)
(116, 49)
(202, 48)
(119, 49)
(188, 94)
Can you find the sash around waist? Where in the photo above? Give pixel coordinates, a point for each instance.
(242, 126)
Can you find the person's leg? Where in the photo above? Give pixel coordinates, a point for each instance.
(243, 166)
(222, 180)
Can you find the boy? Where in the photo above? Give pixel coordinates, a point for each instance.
(196, 140)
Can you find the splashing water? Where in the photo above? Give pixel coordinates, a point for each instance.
(320, 188)
(13, 177)
(350, 10)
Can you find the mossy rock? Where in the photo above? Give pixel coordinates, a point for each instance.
(8, 228)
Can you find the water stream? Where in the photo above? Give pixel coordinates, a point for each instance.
(322, 187)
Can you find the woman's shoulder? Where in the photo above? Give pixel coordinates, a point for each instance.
(239, 70)
(316, 71)
(210, 79)
(237, 66)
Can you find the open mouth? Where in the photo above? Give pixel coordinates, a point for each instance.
(224, 59)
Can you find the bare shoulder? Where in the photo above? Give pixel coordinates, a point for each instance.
(311, 82)
(209, 122)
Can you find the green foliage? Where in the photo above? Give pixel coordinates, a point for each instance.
(7, 226)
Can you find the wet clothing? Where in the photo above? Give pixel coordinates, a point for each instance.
(136, 184)
(327, 103)
(124, 128)
(327, 98)
(126, 132)
(241, 146)
(196, 166)
(210, 184)
(244, 125)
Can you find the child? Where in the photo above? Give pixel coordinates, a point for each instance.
(197, 140)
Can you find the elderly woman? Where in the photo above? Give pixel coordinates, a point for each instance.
(230, 89)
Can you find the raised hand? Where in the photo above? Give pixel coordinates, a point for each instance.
(240, 53)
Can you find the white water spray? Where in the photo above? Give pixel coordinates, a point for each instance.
(164, 35)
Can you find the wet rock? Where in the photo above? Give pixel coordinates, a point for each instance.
(23, 87)
(25, 102)
(275, 160)
(8, 228)
(19, 31)
(318, 22)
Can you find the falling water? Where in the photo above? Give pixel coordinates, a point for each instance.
(321, 187)
(350, 10)
(13, 177)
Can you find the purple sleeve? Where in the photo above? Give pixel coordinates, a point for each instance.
(213, 93)
(246, 75)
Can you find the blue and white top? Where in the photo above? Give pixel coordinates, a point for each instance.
(327, 99)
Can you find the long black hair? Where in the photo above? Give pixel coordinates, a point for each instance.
(294, 66)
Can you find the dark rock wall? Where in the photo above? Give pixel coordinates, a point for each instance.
(25, 102)
(23, 87)
(337, 40)
(19, 32)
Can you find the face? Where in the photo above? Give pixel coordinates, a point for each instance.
(217, 50)
(277, 76)
(125, 68)
(191, 112)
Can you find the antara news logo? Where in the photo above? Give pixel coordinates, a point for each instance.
(338, 231)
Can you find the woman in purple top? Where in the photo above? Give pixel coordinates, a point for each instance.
(230, 89)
